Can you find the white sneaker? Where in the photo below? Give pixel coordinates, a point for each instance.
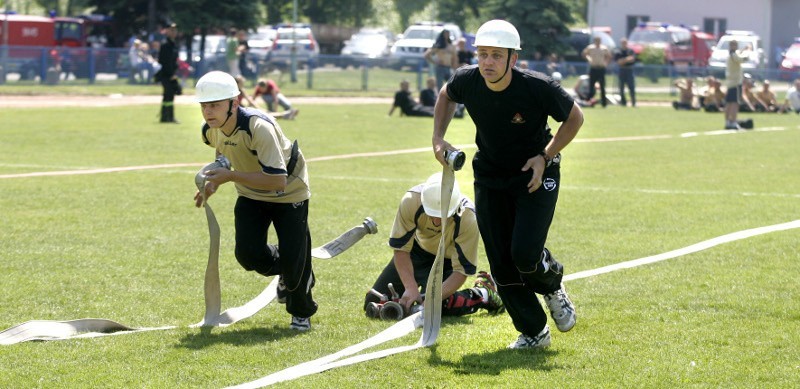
(561, 309)
(300, 323)
(539, 341)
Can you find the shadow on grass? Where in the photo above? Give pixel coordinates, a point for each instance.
(212, 335)
(494, 362)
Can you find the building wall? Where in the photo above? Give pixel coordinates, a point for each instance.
(785, 23)
(754, 15)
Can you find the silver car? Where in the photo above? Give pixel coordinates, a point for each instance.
(298, 39)
(370, 46)
(719, 56)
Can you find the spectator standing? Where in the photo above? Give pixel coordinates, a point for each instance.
(443, 56)
(242, 49)
(135, 61)
(598, 56)
(168, 59)
(625, 59)
(231, 52)
(733, 82)
(517, 175)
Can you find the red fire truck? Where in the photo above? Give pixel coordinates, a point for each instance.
(682, 46)
(29, 45)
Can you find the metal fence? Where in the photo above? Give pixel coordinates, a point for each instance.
(46, 65)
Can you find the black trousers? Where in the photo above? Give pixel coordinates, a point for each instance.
(462, 302)
(626, 78)
(514, 225)
(291, 259)
(169, 90)
(597, 75)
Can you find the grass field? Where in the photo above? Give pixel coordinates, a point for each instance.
(130, 246)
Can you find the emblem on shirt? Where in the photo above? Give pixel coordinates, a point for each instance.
(230, 143)
(517, 119)
(549, 184)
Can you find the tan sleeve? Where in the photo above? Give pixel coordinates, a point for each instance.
(404, 227)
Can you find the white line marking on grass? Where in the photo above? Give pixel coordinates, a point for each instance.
(97, 171)
(680, 192)
(685, 251)
(335, 360)
(372, 154)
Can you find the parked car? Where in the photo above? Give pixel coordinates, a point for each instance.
(370, 46)
(719, 57)
(682, 46)
(579, 38)
(789, 68)
(212, 58)
(260, 43)
(410, 48)
(294, 38)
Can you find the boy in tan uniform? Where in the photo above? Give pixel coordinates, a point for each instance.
(271, 178)
(415, 238)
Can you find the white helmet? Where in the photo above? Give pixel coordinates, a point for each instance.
(431, 197)
(498, 33)
(557, 76)
(216, 86)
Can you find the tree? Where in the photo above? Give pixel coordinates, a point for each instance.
(540, 23)
(406, 8)
(458, 11)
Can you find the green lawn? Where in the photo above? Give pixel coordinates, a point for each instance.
(131, 247)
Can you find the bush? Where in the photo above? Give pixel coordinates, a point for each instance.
(653, 58)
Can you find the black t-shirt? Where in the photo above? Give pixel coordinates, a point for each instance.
(511, 124)
(427, 97)
(622, 53)
(403, 100)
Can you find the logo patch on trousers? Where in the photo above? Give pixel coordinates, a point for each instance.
(549, 184)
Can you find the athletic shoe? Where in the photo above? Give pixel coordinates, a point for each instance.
(539, 341)
(300, 323)
(281, 291)
(494, 305)
(561, 309)
(293, 113)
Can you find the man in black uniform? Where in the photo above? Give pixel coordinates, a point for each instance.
(168, 58)
(517, 174)
(625, 59)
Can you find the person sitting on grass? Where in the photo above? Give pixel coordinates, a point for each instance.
(685, 94)
(408, 106)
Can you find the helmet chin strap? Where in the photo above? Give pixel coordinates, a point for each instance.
(230, 112)
(508, 62)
